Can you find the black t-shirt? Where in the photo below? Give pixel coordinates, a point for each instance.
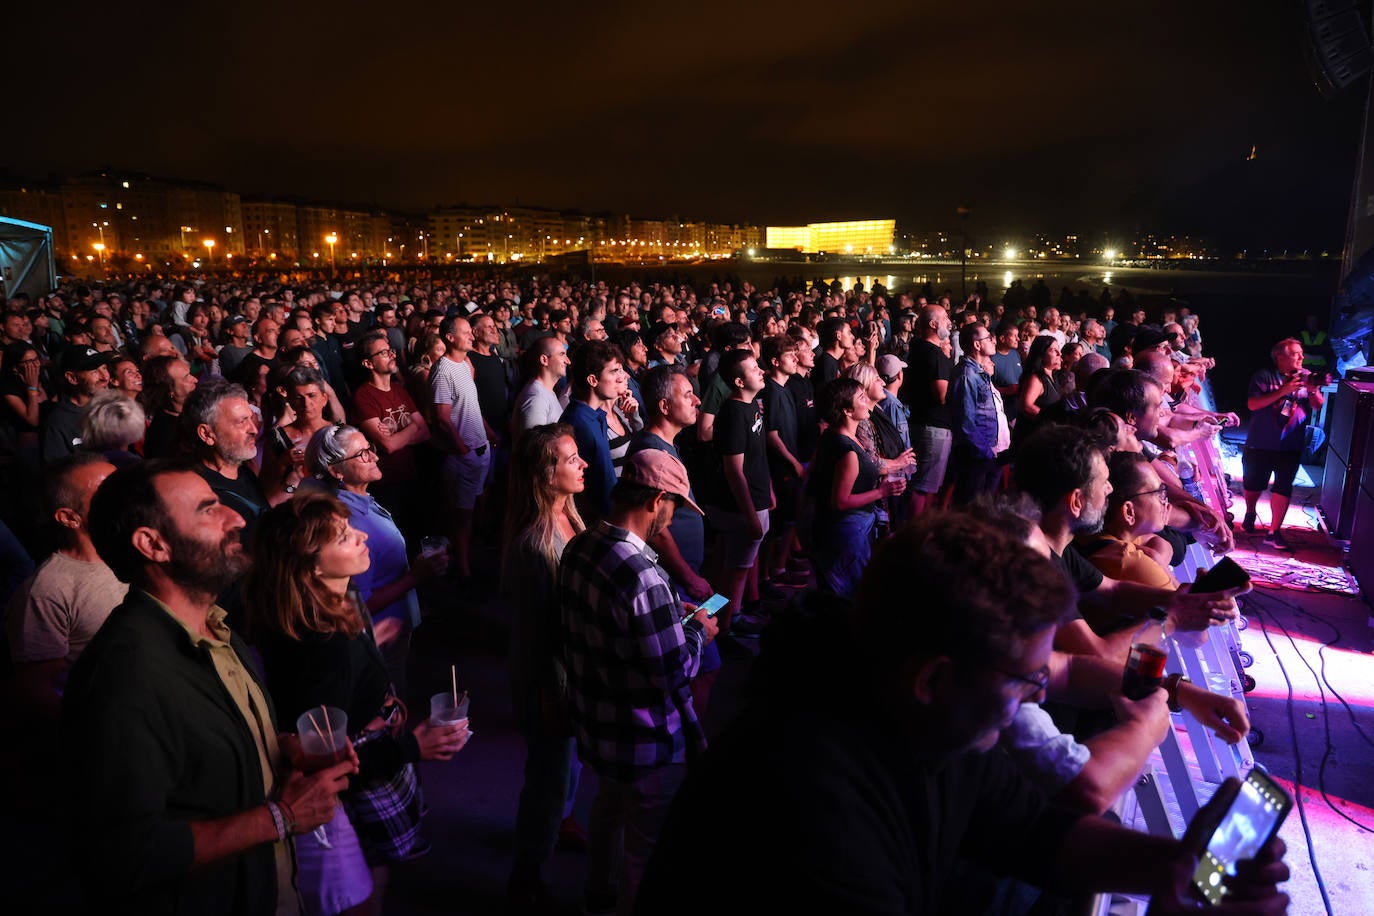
(163, 439)
(489, 375)
(1084, 576)
(827, 369)
(246, 372)
(926, 364)
(243, 494)
(808, 415)
(831, 450)
(14, 387)
(739, 431)
(780, 415)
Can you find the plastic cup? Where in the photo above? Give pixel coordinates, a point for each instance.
(323, 731)
(443, 711)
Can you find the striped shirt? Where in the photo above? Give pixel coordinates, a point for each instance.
(629, 656)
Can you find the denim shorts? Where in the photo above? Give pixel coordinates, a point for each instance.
(932, 445)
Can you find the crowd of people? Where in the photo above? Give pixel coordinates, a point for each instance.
(944, 519)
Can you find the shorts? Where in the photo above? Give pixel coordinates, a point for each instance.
(465, 477)
(932, 445)
(1261, 463)
(739, 549)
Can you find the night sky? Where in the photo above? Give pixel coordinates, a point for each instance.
(1085, 116)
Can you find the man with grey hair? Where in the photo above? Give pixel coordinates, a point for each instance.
(222, 429)
(1093, 335)
(591, 328)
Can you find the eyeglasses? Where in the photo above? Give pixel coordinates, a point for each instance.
(1037, 683)
(383, 352)
(367, 456)
(1162, 492)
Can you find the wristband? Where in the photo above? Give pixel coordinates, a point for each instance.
(288, 817)
(1170, 685)
(32, 388)
(277, 820)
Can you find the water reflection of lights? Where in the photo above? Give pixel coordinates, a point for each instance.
(1007, 278)
(888, 282)
(1107, 278)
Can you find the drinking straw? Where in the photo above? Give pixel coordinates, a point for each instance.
(319, 731)
(453, 676)
(325, 712)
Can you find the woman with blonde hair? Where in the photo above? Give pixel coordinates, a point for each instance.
(318, 649)
(546, 471)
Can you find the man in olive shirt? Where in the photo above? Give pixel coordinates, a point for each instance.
(180, 799)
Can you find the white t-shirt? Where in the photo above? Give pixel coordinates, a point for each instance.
(451, 383)
(535, 405)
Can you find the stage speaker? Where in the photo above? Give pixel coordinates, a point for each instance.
(1340, 50)
(1348, 445)
(1362, 535)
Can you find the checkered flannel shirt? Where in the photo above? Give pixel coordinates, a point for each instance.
(629, 655)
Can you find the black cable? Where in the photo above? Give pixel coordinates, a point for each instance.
(1326, 719)
(1297, 767)
(1321, 654)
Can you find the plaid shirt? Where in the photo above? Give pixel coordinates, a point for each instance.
(629, 655)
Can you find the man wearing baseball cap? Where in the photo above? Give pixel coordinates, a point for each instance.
(632, 647)
(84, 373)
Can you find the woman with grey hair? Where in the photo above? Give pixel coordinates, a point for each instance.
(342, 457)
(112, 425)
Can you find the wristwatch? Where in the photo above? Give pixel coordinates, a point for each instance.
(1170, 685)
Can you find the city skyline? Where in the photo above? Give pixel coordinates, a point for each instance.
(1194, 119)
(136, 217)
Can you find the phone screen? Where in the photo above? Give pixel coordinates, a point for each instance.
(712, 605)
(1253, 818)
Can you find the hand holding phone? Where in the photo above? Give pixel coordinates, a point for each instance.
(1253, 812)
(1227, 574)
(712, 606)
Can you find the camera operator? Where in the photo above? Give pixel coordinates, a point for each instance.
(1281, 401)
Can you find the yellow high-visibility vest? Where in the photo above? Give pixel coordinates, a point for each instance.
(1312, 358)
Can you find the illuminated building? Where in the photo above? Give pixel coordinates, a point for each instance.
(863, 237)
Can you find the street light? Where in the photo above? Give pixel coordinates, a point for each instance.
(209, 251)
(331, 240)
(100, 250)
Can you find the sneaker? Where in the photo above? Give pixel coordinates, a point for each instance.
(770, 591)
(748, 626)
(1277, 540)
(1249, 522)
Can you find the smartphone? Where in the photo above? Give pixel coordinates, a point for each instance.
(712, 606)
(1226, 574)
(1251, 821)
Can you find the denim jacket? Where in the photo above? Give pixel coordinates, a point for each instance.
(975, 409)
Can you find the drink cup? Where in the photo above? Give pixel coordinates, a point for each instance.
(443, 711)
(323, 731)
